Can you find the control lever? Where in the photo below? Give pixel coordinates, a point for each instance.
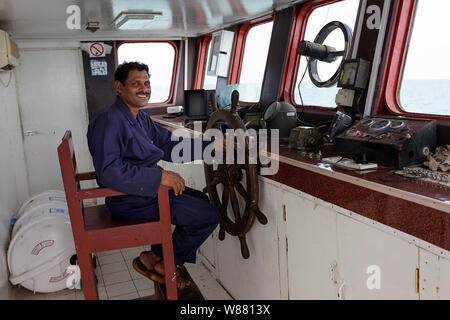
(340, 123)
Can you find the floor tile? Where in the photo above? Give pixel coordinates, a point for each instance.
(111, 258)
(132, 253)
(113, 267)
(143, 284)
(134, 274)
(105, 253)
(116, 277)
(119, 289)
(129, 296)
(146, 292)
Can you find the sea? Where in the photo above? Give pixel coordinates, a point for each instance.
(415, 96)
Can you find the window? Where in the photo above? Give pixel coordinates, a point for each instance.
(425, 83)
(254, 61)
(304, 91)
(161, 60)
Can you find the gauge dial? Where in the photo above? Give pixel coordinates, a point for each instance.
(380, 125)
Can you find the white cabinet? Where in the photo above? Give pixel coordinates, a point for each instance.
(434, 276)
(373, 264)
(428, 275)
(259, 276)
(333, 256)
(444, 279)
(312, 251)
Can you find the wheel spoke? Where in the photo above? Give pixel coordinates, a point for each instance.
(240, 188)
(215, 182)
(225, 197)
(235, 205)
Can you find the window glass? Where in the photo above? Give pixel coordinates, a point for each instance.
(344, 11)
(425, 85)
(159, 56)
(254, 61)
(209, 82)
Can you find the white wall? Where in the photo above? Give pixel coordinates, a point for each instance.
(13, 181)
(47, 87)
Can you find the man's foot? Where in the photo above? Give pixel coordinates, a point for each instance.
(152, 266)
(152, 262)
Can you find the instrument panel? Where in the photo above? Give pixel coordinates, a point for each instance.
(379, 129)
(396, 141)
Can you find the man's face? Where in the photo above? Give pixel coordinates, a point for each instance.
(136, 91)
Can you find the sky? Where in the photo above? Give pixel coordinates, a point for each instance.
(159, 57)
(428, 55)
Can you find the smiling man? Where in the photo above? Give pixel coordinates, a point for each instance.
(126, 146)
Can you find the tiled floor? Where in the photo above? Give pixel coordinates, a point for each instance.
(117, 280)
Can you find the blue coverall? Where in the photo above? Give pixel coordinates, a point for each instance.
(125, 151)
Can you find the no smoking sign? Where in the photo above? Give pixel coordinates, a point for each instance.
(96, 50)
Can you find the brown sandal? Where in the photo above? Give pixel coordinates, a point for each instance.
(151, 274)
(155, 276)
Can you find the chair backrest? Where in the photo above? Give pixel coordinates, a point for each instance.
(71, 180)
(68, 164)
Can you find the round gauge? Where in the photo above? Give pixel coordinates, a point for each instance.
(380, 125)
(271, 111)
(366, 122)
(397, 124)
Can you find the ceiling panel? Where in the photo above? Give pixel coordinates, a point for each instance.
(31, 19)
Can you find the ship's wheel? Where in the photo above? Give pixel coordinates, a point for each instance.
(318, 52)
(237, 183)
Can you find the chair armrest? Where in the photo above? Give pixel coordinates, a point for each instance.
(98, 193)
(164, 205)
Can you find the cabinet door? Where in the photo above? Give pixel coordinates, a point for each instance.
(311, 242)
(444, 279)
(374, 264)
(257, 277)
(429, 275)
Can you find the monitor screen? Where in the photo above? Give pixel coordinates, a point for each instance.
(196, 104)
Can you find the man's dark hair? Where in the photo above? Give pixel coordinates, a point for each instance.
(122, 70)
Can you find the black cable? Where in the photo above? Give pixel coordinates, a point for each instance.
(301, 98)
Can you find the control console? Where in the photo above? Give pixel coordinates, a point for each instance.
(393, 141)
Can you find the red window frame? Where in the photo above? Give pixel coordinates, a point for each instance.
(234, 73)
(389, 97)
(170, 99)
(201, 61)
(237, 56)
(293, 59)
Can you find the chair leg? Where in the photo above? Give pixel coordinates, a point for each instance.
(169, 269)
(88, 278)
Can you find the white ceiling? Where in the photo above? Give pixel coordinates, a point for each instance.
(46, 19)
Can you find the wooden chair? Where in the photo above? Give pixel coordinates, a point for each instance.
(95, 230)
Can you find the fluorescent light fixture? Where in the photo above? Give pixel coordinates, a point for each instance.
(135, 19)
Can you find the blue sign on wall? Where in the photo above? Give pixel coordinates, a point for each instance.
(99, 67)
